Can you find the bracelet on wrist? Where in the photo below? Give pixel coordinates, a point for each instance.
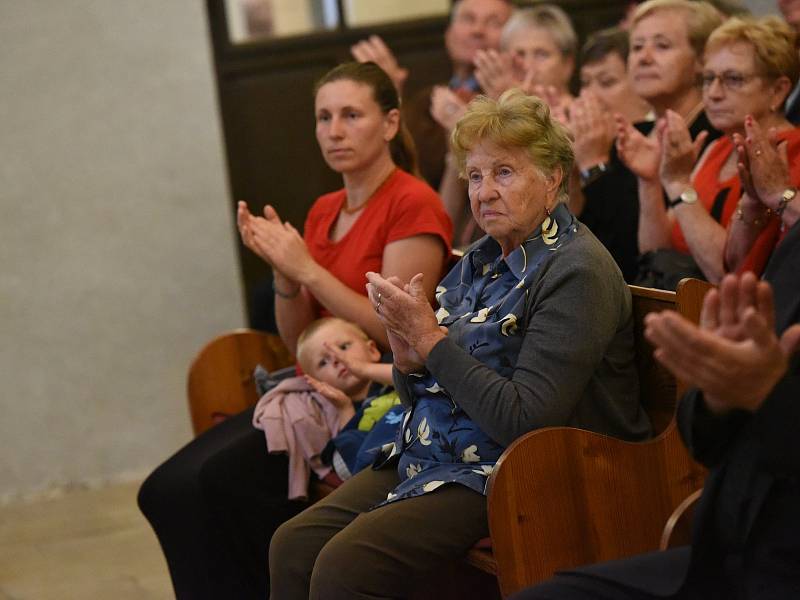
(285, 295)
(758, 221)
(787, 196)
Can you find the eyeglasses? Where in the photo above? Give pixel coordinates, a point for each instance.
(730, 80)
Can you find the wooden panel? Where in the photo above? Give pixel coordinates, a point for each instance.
(584, 498)
(657, 389)
(564, 497)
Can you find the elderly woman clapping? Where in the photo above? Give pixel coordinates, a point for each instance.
(749, 68)
(533, 329)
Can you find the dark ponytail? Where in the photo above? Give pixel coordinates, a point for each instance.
(385, 95)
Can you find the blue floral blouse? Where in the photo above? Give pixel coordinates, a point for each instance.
(483, 305)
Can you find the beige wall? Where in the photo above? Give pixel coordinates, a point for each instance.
(117, 254)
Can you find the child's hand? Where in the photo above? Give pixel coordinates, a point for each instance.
(359, 368)
(335, 396)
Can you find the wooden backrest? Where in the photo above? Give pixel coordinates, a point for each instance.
(657, 387)
(658, 390)
(562, 497)
(220, 381)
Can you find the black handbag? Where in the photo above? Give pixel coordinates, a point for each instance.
(664, 268)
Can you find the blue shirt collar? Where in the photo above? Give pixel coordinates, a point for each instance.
(470, 83)
(488, 252)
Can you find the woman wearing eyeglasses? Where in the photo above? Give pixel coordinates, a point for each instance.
(749, 68)
(667, 42)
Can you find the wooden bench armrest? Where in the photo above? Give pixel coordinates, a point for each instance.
(678, 530)
(563, 497)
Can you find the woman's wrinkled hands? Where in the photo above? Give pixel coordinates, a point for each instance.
(734, 355)
(679, 153)
(593, 130)
(276, 242)
(446, 107)
(640, 153)
(762, 163)
(410, 323)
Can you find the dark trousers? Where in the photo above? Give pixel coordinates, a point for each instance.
(214, 506)
(575, 587)
(339, 548)
(652, 576)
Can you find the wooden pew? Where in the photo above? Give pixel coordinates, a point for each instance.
(563, 497)
(558, 497)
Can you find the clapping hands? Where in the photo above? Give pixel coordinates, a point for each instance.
(762, 163)
(640, 153)
(410, 323)
(446, 107)
(679, 152)
(734, 355)
(494, 72)
(276, 242)
(374, 49)
(593, 129)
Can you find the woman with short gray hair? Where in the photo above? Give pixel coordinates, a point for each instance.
(512, 347)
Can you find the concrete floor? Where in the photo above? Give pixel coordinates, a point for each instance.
(83, 545)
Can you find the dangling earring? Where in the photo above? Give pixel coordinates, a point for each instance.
(549, 228)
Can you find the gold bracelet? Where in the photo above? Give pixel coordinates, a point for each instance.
(756, 222)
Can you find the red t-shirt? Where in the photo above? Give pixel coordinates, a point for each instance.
(720, 198)
(402, 207)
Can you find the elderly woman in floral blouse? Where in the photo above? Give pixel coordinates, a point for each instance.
(533, 329)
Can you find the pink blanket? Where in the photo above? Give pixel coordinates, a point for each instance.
(298, 420)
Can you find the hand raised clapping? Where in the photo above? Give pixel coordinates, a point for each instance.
(374, 49)
(410, 323)
(762, 163)
(640, 153)
(593, 129)
(277, 242)
(734, 355)
(679, 153)
(446, 107)
(494, 72)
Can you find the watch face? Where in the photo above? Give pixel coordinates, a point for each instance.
(689, 196)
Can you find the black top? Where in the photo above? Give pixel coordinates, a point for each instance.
(748, 522)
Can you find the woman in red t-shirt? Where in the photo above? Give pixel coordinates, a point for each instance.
(384, 219)
(216, 502)
(749, 68)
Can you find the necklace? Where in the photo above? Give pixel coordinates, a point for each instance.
(351, 211)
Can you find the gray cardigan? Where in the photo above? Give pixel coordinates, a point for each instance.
(575, 367)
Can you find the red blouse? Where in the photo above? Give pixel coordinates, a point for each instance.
(402, 207)
(720, 198)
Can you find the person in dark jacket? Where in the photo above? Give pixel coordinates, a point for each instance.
(741, 422)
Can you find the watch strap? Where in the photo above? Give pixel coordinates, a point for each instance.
(593, 173)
